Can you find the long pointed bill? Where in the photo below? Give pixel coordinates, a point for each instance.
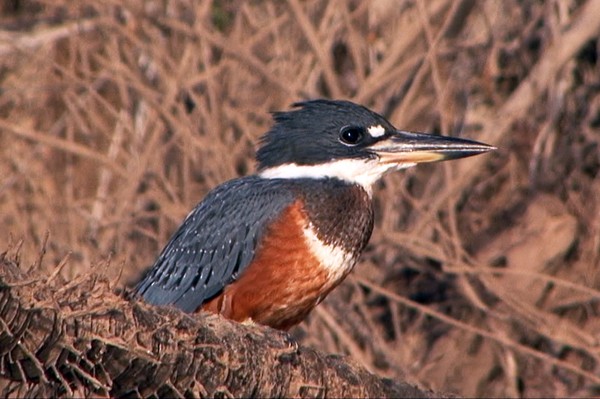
(412, 148)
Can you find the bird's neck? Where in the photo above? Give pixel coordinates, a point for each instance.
(359, 171)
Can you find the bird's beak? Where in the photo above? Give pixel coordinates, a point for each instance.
(408, 148)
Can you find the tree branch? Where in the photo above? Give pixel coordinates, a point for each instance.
(78, 338)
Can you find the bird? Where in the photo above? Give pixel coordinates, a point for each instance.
(269, 247)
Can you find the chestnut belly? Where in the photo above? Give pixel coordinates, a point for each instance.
(290, 274)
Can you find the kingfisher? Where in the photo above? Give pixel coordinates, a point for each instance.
(267, 248)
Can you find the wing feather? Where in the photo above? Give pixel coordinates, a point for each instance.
(215, 243)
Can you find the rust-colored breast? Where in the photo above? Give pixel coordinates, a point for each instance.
(284, 281)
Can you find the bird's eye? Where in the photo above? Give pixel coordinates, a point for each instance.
(351, 135)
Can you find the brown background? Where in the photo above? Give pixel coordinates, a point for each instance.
(481, 277)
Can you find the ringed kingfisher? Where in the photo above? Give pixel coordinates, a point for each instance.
(267, 248)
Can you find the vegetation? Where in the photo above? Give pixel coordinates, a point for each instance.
(481, 278)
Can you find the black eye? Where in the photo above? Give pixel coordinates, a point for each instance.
(351, 135)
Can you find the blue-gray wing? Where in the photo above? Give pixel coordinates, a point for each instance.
(215, 243)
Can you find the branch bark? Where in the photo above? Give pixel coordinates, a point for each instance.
(78, 338)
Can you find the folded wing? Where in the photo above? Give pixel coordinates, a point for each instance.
(215, 243)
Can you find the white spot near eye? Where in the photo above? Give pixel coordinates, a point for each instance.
(376, 131)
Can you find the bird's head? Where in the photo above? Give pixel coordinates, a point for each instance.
(340, 139)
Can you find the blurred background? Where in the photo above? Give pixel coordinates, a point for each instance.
(481, 278)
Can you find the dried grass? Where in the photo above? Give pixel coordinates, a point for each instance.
(481, 277)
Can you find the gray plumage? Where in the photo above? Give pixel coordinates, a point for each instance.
(215, 243)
